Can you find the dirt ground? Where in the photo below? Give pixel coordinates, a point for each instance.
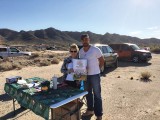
(123, 98)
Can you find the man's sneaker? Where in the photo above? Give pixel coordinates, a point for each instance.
(87, 113)
(99, 118)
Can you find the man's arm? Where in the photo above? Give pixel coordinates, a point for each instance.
(101, 62)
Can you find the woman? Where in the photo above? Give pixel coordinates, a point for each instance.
(67, 67)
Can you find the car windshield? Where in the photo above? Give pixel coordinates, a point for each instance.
(135, 47)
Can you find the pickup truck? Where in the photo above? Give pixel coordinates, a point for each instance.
(6, 52)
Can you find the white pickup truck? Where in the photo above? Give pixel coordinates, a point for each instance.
(11, 52)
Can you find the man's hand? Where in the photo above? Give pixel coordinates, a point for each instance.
(70, 70)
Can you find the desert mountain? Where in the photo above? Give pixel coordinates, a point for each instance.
(52, 35)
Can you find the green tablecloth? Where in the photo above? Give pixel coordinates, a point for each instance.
(39, 102)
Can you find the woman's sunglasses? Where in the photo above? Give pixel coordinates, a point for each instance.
(73, 51)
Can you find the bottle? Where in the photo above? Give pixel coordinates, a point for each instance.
(51, 83)
(54, 82)
(82, 85)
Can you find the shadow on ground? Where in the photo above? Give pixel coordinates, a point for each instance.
(5, 97)
(124, 64)
(12, 115)
(107, 70)
(128, 63)
(145, 80)
(86, 117)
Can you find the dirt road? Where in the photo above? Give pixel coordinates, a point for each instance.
(123, 98)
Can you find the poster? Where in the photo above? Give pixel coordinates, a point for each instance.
(79, 67)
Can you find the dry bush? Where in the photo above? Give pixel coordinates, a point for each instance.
(145, 75)
(42, 58)
(44, 62)
(16, 65)
(55, 61)
(156, 50)
(61, 56)
(37, 60)
(5, 66)
(26, 63)
(51, 55)
(34, 55)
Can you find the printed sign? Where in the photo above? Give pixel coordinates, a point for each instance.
(79, 67)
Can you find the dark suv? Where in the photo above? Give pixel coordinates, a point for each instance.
(131, 52)
(111, 58)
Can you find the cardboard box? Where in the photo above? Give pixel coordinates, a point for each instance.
(68, 111)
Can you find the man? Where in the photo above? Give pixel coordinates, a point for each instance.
(95, 62)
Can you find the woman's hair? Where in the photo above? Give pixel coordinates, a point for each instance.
(74, 46)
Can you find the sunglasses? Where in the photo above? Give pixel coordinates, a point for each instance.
(73, 51)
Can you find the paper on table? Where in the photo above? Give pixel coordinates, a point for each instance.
(32, 85)
(21, 82)
(70, 77)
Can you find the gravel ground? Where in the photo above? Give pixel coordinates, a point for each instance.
(123, 98)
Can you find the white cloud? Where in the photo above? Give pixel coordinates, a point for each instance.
(153, 32)
(157, 31)
(135, 33)
(145, 3)
(153, 28)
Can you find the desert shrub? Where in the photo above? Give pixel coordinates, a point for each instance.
(61, 56)
(34, 55)
(44, 62)
(16, 65)
(155, 50)
(37, 60)
(24, 63)
(55, 61)
(51, 55)
(5, 66)
(145, 75)
(42, 58)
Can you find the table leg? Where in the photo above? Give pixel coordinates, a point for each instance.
(78, 116)
(14, 106)
(52, 114)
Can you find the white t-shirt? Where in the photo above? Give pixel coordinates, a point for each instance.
(92, 56)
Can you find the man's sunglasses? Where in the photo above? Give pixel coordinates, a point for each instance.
(73, 51)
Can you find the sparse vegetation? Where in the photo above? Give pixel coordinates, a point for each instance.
(155, 50)
(5, 66)
(145, 76)
(16, 65)
(55, 61)
(34, 55)
(36, 59)
(44, 62)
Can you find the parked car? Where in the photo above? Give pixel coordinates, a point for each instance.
(11, 52)
(51, 48)
(131, 52)
(110, 57)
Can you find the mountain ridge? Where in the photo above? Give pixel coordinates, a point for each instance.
(52, 35)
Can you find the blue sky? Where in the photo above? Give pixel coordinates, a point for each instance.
(140, 18)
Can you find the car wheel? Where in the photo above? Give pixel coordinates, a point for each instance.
(116, 64)
(135, 59)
